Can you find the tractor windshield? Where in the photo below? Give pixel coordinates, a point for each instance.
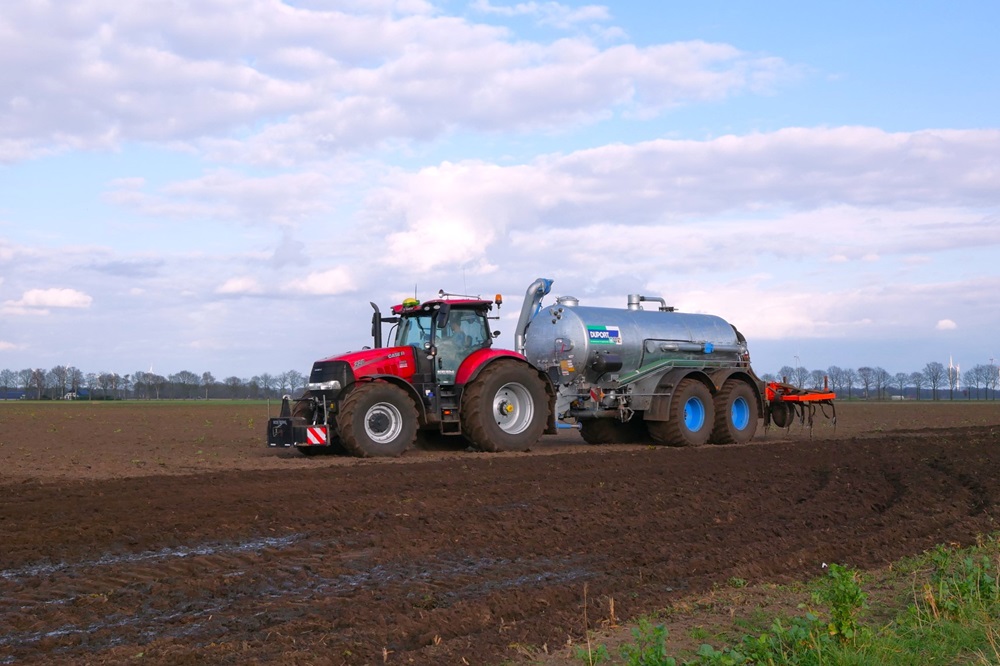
(414, 331)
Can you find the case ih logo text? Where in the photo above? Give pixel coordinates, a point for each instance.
(604, 335)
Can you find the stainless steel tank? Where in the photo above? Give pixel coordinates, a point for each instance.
(578, 344)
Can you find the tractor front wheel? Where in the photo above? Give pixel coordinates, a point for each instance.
(377, 419)
(505, 408)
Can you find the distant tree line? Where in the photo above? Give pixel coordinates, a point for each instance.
(68, 382)
(935, 381)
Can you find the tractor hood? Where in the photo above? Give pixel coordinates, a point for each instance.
(347, 368)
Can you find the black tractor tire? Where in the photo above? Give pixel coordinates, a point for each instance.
(305, 408)
(613, 431)
(690, 417)
(505, 408)
(782, 414)
(735, 414)
(377, 419)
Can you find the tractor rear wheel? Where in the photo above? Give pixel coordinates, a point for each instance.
(377, 419)
(690, 416)
(735, 414)
(505, 408)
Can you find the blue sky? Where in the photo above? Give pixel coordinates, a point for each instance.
(224, 185)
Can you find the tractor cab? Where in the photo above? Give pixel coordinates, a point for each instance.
(443, 333)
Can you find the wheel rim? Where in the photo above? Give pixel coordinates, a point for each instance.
(383, 423)
(513, 408)
(694, 414)
(739, 414)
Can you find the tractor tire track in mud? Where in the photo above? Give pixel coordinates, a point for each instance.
(433, 561)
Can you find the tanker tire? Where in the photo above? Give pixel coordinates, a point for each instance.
(735, 414)
(377, 419)
(690, 418)
(505, 408)
(613, 431)
(304, 408)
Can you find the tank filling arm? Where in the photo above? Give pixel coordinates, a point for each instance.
(532, 304)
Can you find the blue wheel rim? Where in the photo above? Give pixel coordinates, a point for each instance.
(739, 414)
(694, 414)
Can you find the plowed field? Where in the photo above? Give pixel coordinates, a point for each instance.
(171, 534)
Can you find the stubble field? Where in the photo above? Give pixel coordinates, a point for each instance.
(167, 532)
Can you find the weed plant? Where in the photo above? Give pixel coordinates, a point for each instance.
(951, 616)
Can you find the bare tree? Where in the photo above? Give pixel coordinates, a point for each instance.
(207, 379)
(935, 374)
(900, 379)
(836, 375)
(917, 380)
(24, 380)
(158, 384)
(975, 379)
(266, 382)
(59, 376)
(75, 379)
(234, 384)
(992, 378)
(8, 380)
(91, 382)
(850, 379)
(881, 379)
(37, 382)
(866, 376)
(816, 378)
(295, 380)
(106, 380)
(187, 382)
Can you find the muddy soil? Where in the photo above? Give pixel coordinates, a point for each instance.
(170, 533)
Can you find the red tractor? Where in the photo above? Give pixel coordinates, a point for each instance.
(440, 376)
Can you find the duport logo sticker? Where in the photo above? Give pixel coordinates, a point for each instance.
(604, 335)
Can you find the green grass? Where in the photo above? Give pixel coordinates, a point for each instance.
(942, 607)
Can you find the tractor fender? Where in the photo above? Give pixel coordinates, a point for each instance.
(401, 383)
(479, 359)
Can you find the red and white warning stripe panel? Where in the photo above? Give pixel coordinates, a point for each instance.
(316, 435)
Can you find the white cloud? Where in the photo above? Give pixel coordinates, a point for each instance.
(7, 346)
(684, 204)
(550, 13)
(266, 81)
(240, 285)
(227, 195)
(38, 301)
(946, 325)
(323, 283)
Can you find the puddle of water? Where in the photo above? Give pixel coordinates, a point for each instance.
(251, 546)
(293, 583)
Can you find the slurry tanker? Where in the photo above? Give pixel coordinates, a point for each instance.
(643, 373)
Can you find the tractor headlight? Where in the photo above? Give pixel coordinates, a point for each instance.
(332, 385)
